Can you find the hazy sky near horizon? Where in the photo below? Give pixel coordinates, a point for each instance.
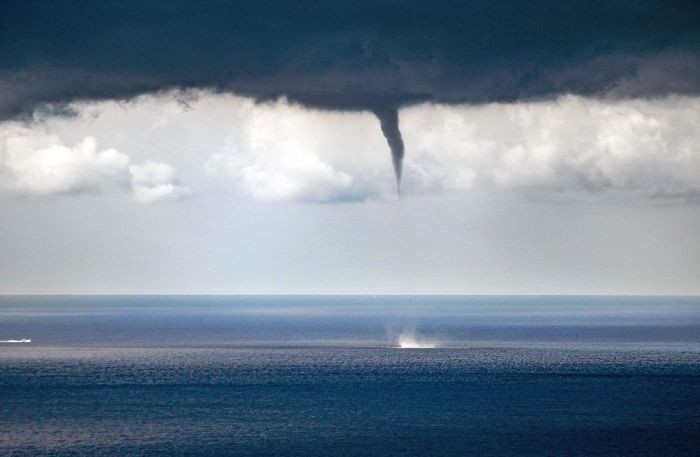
(220, 194)
(243, 147)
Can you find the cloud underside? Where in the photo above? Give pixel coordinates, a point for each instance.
(361, 55)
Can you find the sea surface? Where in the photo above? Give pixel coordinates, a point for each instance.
(349, 375)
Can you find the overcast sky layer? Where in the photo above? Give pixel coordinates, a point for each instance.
(243, 147)
(346, 54)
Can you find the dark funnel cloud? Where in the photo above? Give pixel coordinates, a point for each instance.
(367, 55)
(389, 121)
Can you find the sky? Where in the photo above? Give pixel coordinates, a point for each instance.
(247, 148)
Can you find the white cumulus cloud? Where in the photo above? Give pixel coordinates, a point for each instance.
(649, 148)
(42, 164)
(282, 152)
(33, 162)
(154, 181)
(571, 147)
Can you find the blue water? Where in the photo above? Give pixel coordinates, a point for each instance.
(307, 376)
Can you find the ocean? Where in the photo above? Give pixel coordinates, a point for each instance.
(349, 375)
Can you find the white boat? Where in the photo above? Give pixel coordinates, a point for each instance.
(23, 340)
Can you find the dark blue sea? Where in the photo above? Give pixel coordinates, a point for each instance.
(357, 376)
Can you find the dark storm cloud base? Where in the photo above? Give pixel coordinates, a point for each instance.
(346, 55)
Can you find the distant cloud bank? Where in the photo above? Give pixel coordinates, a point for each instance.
(645, 150)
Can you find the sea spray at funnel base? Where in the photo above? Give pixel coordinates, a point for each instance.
(408, 339)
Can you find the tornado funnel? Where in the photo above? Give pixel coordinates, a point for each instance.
(389, 121)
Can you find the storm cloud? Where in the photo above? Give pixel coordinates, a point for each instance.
(345, 55)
